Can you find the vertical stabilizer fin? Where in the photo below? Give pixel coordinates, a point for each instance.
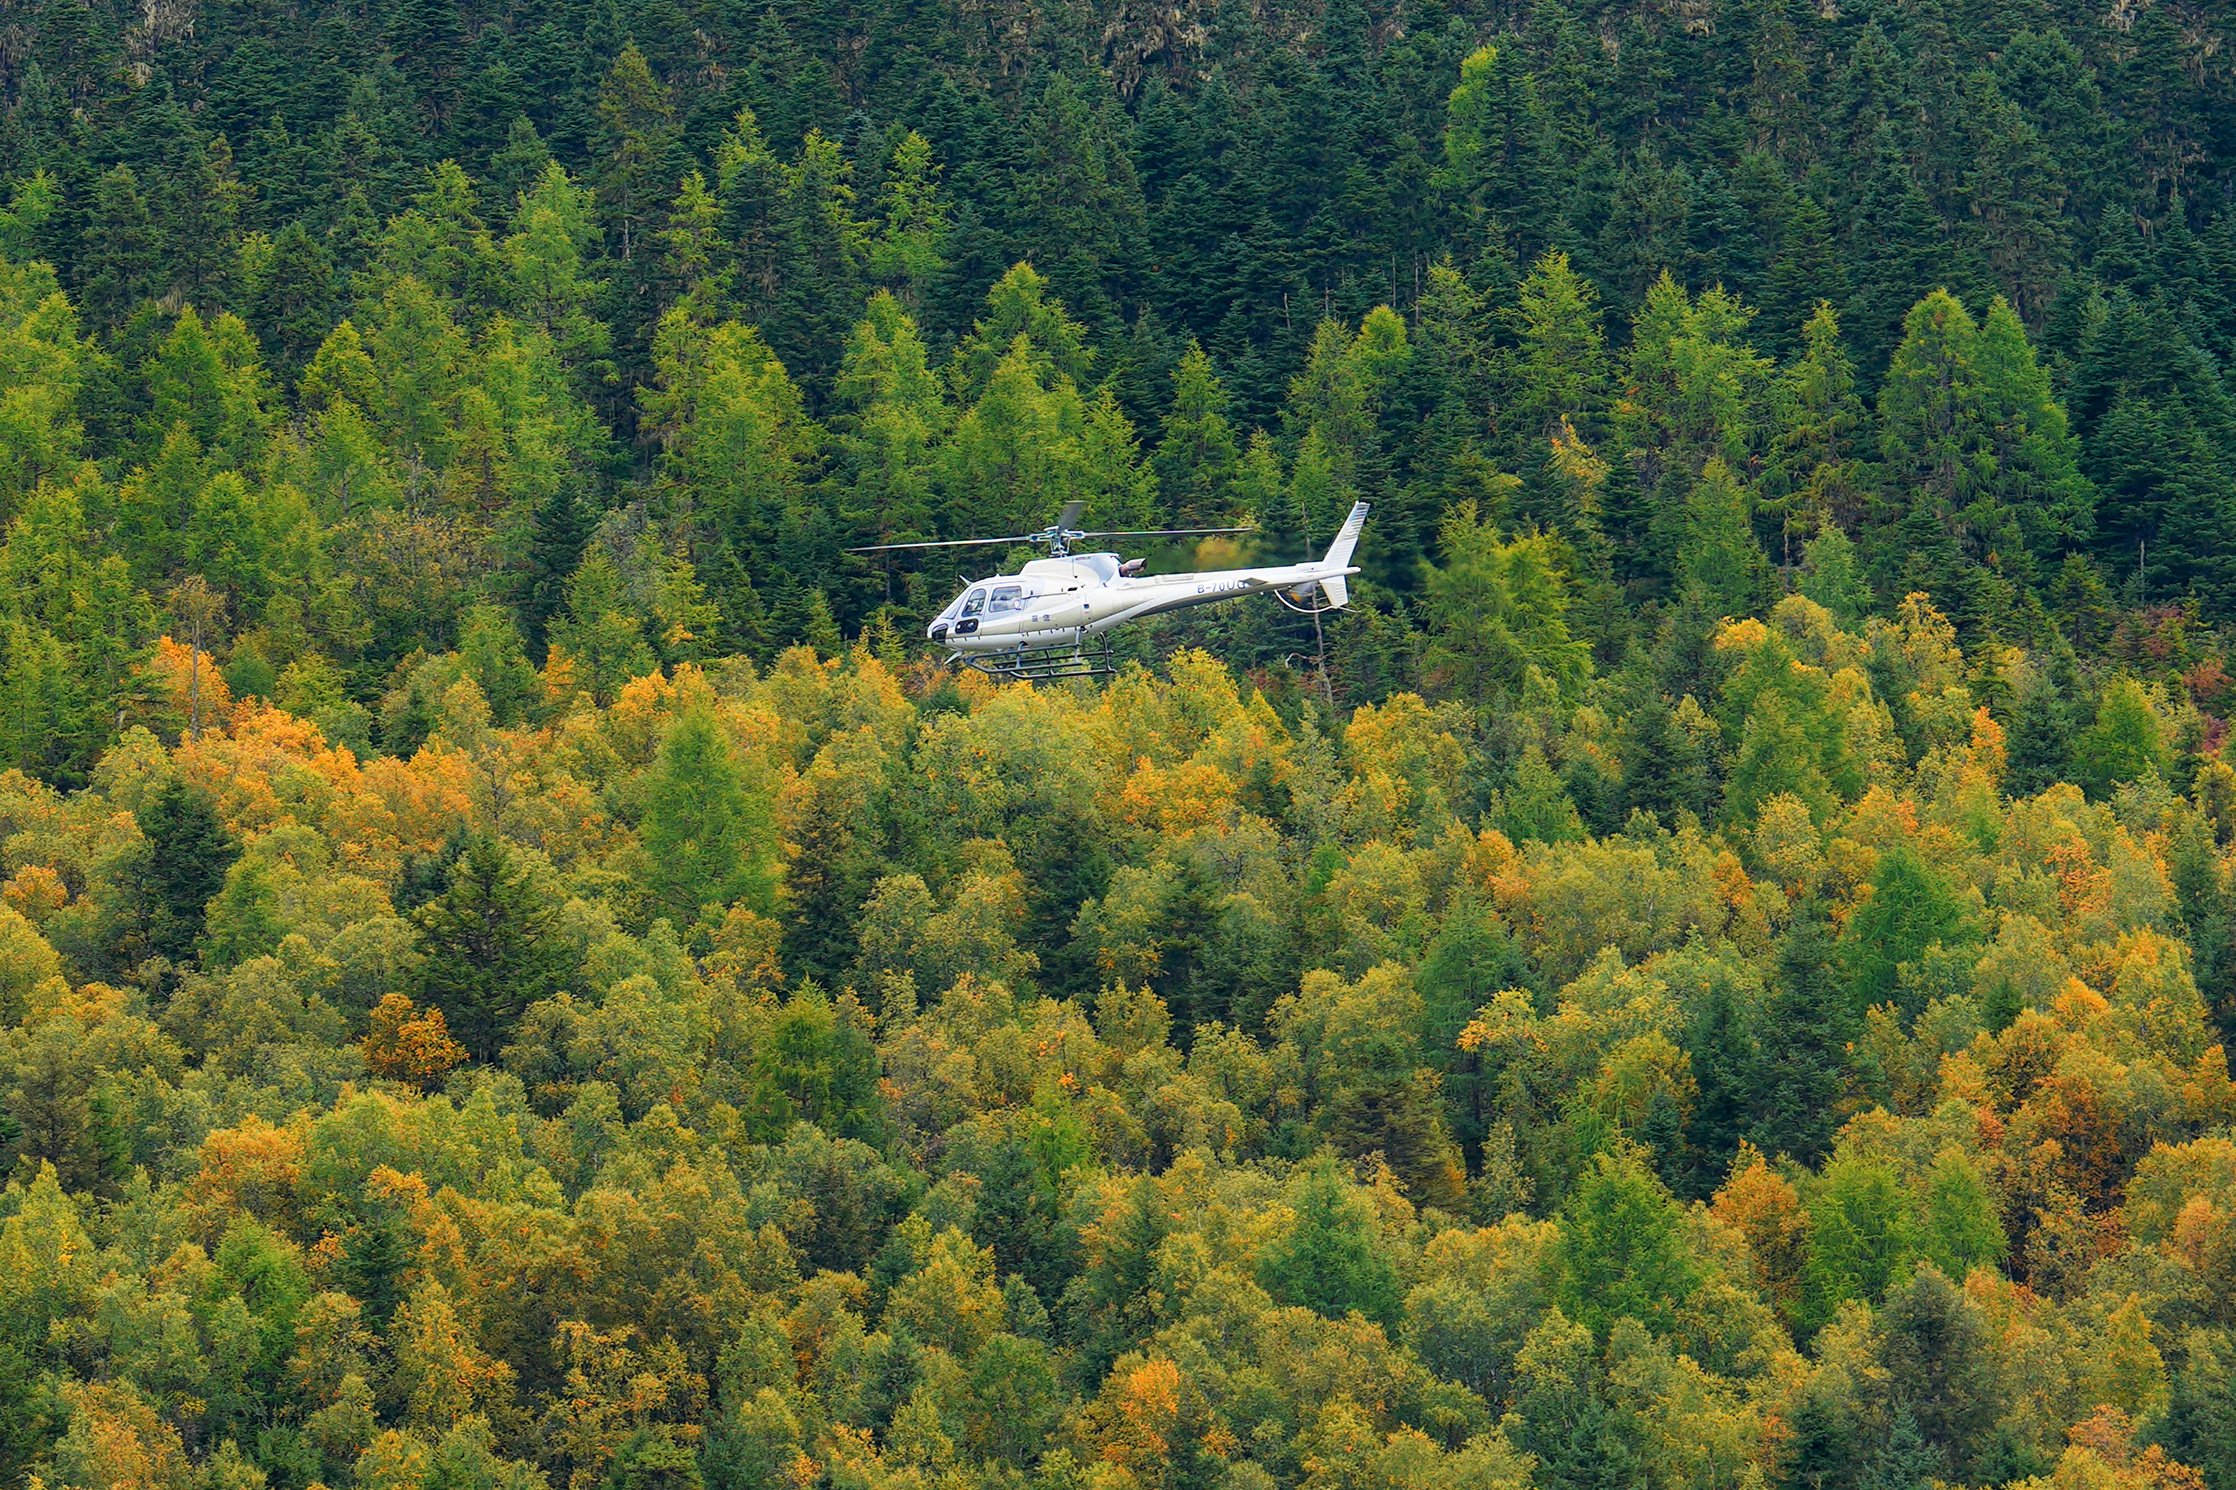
(1347, 537)
(1335, 593)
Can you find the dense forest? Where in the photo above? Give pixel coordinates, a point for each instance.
(519, 972)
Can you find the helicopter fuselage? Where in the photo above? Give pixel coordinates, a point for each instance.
(1061, 602)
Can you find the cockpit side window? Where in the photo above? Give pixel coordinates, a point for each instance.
(974, 602)
(1007, 598)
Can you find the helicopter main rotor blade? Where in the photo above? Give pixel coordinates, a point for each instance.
(1069, 515)
(1167, 532)
(885, 548)
(1014, 538)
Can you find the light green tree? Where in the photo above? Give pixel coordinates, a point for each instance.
(709, 842)
(1497, 612)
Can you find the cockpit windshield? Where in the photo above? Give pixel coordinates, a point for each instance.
(974, 602)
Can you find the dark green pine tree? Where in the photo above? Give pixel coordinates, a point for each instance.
(1564, 1418)
(1497, 166)
(637, 167)
(651, 1459)
(773, 59)
(1018, 1215)
(253, 90)
(353, 231)
(1796, 1086)
(56, 1119)
(290, 299)
(2200, 1423)
(198, 220)
(2158, 430)
(1471, 961)
(376, 1253)
(1935, 1344)
(120, 266)
(1171, 157)
(494, 99)
(2208, 909)
(2045, 75)
(1645, 88)
(2171, 118)
(425, 876)
(1652, 752)
(1919, 553)
(429, 46)
(188, 851)
(819, 294)
(1647, 223)
(2039, 746)
(1732, 222)
(1869, 92)
(563, 525)
(1896, 250)
(1907, 1461)
(1826, 1448)
(1808, 268)
(1723, 1053)
(490, 946)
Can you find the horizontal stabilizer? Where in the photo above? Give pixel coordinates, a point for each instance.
(1335, 590)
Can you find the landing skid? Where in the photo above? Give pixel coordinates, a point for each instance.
(1043, 665)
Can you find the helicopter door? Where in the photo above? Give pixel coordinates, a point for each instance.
(973, 604)
(1007, 600)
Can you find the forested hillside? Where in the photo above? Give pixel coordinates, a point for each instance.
(519, 972)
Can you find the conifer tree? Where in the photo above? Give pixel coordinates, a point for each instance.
(289, 296)
(1718, 558)
(826, 248)
(1560, 365)
(122, 249)
(1796, 1087)
(1832, 578)
(189, 849)
(1910, 909)
(1622, 1255)
(1722, 1051)
(1498, 613)
(708, 841)
(1197, 454)
(907, 252)
(1332, 1260)
(2039, 745)
(1494, 153)
(489, 946)
(600, 637)
(2125, 742)
(636, 119)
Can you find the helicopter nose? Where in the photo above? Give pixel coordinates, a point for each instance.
(938, 631)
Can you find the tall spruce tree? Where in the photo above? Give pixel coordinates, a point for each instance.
(1797, 1084)
(489, 946)
(188, 850)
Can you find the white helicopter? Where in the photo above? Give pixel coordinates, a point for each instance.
(1051, 619)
